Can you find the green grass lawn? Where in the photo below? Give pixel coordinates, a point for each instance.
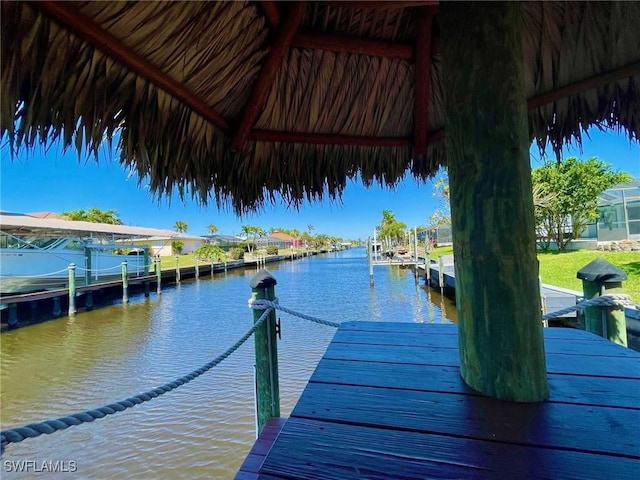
(560, 268)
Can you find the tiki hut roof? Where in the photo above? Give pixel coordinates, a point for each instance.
(245, 101)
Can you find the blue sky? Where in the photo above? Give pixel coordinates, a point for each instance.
(53, 181)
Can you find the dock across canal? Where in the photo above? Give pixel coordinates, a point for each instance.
(387, 401)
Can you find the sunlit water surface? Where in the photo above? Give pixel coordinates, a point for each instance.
(203, 429)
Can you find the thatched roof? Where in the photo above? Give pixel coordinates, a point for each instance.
(242, 101)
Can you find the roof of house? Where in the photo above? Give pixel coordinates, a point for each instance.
(243, 102)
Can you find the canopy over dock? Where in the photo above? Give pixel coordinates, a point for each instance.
(242, 103)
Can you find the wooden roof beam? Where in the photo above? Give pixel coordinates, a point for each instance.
(328, 139)
(66, 15)
(346, 44)
(586, 84)
(271, 12)
(422, 74)
(387, 5)
(275, 57)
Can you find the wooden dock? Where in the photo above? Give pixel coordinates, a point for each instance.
(387, 401)
(554, 298)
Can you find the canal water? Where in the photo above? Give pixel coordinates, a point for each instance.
(203, 429)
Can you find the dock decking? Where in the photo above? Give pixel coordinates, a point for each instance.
(387, 401)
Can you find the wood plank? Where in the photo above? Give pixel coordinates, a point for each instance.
(389, 327)
(603, 430)
(598, 391)
(308, 449)
(327, 139)
(618, 367)
(552, 345)
(255, 458)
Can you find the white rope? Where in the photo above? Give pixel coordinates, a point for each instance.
(263, 304)
(42, 275)
(609, 300)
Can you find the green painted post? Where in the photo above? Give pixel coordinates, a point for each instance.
(13, 315)
(487, 143)
(147, 260)
(72, 289)
(158, 267)
(87, 266)
(125, 282)
(266, 348)
(600, 277)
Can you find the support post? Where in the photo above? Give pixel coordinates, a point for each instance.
(599, 278)
(158, 267)
(266, 348)
(415, 247)
(13, 315)
(370, 248)
(57, 310)
(125, 282)
(177, 269)
(87, 266)
(197, 267)
(497, 292)
(440, 273)
(72, 289)
(211, 260)
(147, 260)
(88, 300)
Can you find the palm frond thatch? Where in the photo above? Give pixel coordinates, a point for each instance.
(56, 84)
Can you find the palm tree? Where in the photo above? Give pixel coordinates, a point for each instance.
(180, 226)
(94, 215)
(212, 229)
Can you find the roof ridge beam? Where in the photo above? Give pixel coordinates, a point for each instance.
(275, 57)
(347, 44)
(91, 32)
(422, 74)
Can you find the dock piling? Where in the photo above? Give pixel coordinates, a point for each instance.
(72, 289)
(177, 269)
(599, 278)
(197, 267)
(125, 282)
(266, 349)
(158, 269)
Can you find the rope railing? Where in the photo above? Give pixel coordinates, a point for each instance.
(609, 300)
(16, 435)
(97, 270)
(43, 275)
(264, 304)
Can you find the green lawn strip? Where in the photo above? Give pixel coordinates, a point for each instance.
(560, 268)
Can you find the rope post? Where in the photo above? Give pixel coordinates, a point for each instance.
(599, 278)
(158, 269)
(177, 269)
(266, 348)
(72, 289)
(125, 282)
(211, 261)
(87, 266)
(441, 273)
(370, 247)
(197, 267)
(415, 249)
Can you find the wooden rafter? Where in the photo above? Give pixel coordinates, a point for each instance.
(386, 5)
(70, 18)
(586, 84)
(271, 12)
(346, 44)
(328, 139)
(276, 55)
(422, 74)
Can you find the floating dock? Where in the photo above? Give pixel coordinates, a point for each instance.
(387, 401)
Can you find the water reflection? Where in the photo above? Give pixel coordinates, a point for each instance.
(203, 429)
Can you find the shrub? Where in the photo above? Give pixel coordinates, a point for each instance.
(236, 253)
(272, 250)
(247, 246)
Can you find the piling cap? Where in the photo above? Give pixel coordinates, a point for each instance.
(601, 271)
(263, 279)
